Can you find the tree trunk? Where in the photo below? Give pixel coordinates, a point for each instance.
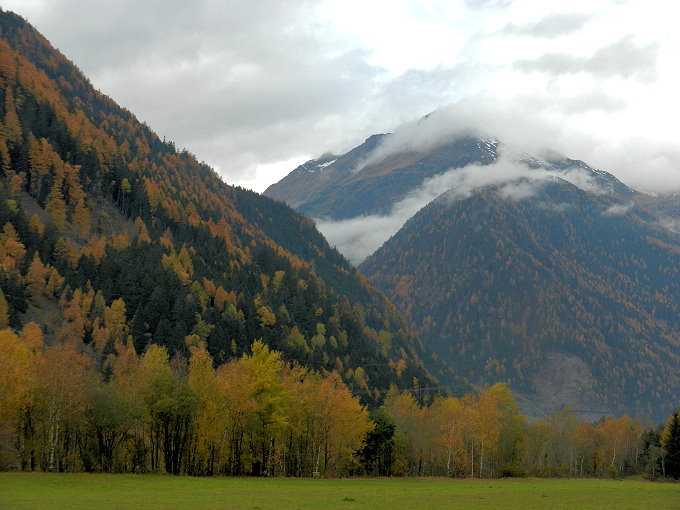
(481, 459)
(318, 459)
(472, 463)
(54, 438)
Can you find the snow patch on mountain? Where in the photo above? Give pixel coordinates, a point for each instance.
(326, 164)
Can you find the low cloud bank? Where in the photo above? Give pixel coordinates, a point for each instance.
(618, 209)
(536, 125)
(359, 237)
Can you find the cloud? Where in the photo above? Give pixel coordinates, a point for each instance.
(537, 124)
(622, 58)
(359, 237)
(559, 208)
(644, 165)
(549, 27)
(519, 125)
(581, 179)
(518, 190)
(515, 180)
(413, 93)
(238, 83)
(488, 4)
(669, 224)
(618, 209)
(250, 86)
(591, 101)
(421, 135)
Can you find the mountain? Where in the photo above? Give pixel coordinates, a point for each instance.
(542, 272)
(366, 182)
(111, 233)
(341, 187)
(564, 295)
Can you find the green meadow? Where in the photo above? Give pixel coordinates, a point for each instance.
(89, 491)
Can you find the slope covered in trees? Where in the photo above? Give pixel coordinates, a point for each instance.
(113, 238)
(569, 296)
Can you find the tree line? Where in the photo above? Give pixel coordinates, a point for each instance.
(254, 415)
(64, 409)
(483, 435)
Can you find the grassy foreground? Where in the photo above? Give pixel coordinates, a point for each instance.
(89, 491)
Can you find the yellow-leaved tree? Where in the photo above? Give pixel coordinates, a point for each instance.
(18, 382)
(269, 419)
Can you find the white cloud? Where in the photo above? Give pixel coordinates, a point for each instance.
(247, 86)
(618, 209)
(358, 237)
(559, 208)
(534, 124)
(487, 4)
(623, 58)
(519, 190)
(551, 26)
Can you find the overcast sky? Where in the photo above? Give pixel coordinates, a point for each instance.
(256, 87)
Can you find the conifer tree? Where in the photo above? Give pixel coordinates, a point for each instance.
(6, 163)
(11, 120)
(670, 441)
(56, 207)
(37, 225)
(81, 217)
(36, 277)
(4, 311)
(12, 250)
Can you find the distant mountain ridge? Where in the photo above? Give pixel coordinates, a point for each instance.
(350, 185)
(343, 190)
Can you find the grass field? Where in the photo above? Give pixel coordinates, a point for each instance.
(89, 491)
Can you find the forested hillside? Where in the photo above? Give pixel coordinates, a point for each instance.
(569, 296)
(111, 236)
